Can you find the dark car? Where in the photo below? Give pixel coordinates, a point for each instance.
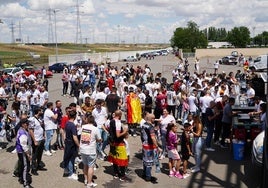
(57, 67)
(23, 64)
(84, 64)
(228, 60)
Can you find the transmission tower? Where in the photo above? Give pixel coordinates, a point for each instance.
(12, 27)
(78, 25)
(50, 27)
(20, 35)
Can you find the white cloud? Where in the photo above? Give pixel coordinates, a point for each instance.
(154, 20)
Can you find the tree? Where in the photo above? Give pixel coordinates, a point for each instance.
(239, 36)
(189, 38)
(261, 39)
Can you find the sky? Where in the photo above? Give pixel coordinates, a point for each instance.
(123, 21)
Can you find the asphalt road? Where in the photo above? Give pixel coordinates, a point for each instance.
(218, 168)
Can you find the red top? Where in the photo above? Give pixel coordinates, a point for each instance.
(64, 120)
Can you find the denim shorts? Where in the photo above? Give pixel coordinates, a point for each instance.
(89, 160)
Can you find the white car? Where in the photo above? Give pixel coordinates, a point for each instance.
(131, 58)
(257, 149)
(12, 70)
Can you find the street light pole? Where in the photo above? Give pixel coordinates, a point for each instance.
(118, 42)
(56, 42)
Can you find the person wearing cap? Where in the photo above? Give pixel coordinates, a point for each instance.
(23, 145)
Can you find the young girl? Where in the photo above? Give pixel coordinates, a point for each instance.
(173, 155)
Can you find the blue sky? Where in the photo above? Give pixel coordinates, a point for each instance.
(134, 21)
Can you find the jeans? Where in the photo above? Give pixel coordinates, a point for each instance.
(210, 131)
(197, 147)
(179, 111)
(65, 88)
(185, 115)
(49, 136)
(147, 171)
(104, 136)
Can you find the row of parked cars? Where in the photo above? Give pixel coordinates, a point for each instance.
(27, 69)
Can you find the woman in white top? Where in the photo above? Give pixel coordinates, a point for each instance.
(164, 120)
(88, 145)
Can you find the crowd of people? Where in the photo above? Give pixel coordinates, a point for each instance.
(151, 107)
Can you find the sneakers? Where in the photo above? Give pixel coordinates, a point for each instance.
(162, 157)
(116, 176)
(125, 179)
(186, 175)
(172, 173)
(157, 170)
(209, 149)
(52, 151)
(14, 151)
(91, 185)
(178, 175)
(73, 177)
(128, 171)
(47, 153)
(194, 170)
(217, 143)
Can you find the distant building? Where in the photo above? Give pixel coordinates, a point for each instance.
(219, 45)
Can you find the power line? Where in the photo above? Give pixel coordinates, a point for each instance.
(78, 25)
(12, 27)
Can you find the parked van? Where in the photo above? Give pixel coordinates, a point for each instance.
(260, 63)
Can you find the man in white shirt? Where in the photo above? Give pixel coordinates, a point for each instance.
(34, 99)
(100, 115)
(43, 100)
(204, 104)
(50, 126)
(23, 97)
(192, 101)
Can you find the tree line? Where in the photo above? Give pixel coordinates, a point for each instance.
(191, 37)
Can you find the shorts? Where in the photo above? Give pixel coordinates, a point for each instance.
(173, 154)
(89, 160)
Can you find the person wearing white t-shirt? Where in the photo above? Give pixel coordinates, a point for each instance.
(250, 93)
(100, 115)
(23, 97)
(88, 146)
(192, 101)
(204, 104)
(50, 125)
(43, 100)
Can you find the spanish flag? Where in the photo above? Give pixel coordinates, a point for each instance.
(133, 108)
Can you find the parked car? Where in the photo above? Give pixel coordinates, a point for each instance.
(23, 64)
(12, 70)
(257, 149)
(36, 71)
(84, 64)
(228, 60)
(164, 52)
(144, 55)
(131, 58)
(57, 67)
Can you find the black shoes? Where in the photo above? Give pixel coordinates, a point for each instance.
(34, 172)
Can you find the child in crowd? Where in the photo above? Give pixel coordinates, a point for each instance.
(173, 155)
(186, 151)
